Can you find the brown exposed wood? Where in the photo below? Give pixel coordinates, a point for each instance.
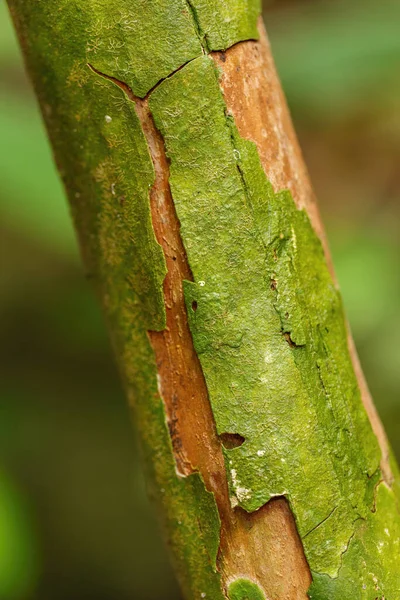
(254, 97)
(180, 377)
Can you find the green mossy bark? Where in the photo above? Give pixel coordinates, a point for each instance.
(140, 44)
(281, 375)
(269, 327)
(243, 589)
(106, 167)
(222, 24)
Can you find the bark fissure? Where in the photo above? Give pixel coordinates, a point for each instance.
(201, 35)
(128, 90)
(320, 523)
(347, 548)
(195, 441)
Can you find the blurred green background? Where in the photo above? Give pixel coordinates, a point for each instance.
(74, 518)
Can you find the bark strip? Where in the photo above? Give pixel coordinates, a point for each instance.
(254, 96)
(264, 546)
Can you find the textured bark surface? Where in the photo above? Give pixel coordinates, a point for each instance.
(256, 100)
(174, 142)
(265, 544)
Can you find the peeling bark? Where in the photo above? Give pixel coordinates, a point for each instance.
(263, 545)
(174, 142)
(256, 100)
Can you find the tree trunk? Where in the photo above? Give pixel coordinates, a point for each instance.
(199, 230)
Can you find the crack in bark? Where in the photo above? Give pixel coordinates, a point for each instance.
(288, 338)
(344, 551)
(128, 90)
(201, 35)
(319, 524)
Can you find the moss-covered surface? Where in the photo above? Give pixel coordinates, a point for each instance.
(370, 565)
(268, 328)
(106, 167)
(139, 42)
(243, 589)
(222, 24)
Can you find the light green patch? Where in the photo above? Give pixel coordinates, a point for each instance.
(395, 484)
(221, 24)
(244, 589)
(370, 565)
(20, 554)
(269, 327)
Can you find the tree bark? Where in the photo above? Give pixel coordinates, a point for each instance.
(200, 232)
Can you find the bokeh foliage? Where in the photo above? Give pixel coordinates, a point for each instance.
(74, 518)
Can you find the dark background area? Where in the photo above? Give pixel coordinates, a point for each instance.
(74, 517)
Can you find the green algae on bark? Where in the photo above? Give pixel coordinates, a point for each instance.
(105, 164)
(268, 327)
(222, 24)
(140, 42)
(370, 565)
(243, 589)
